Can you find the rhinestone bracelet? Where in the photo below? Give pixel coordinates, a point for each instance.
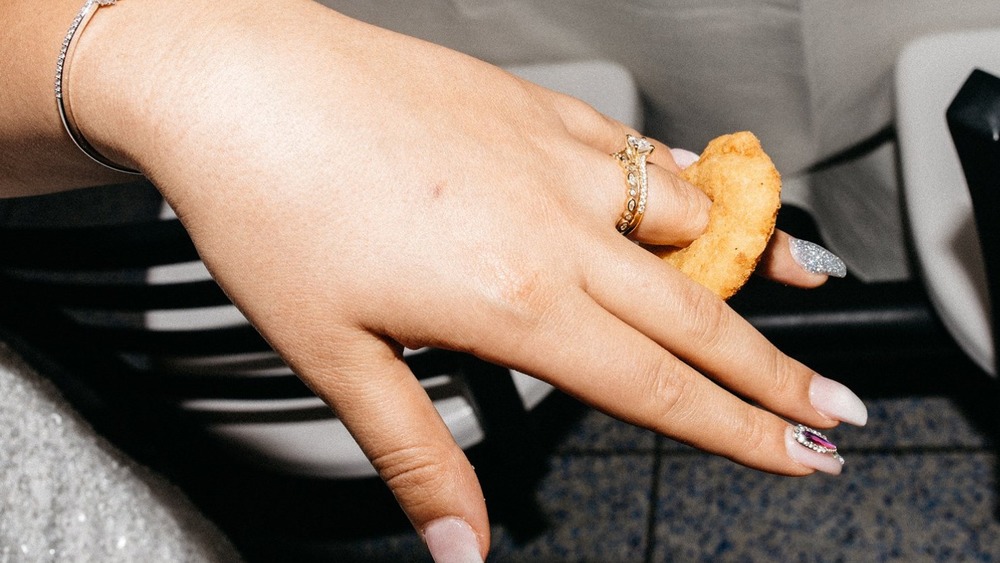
(65, 54)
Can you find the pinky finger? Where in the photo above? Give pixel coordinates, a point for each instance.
(799, 262)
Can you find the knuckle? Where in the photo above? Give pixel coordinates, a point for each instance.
(753, 434)
(706, 318)
(695, 207)
(523, 300)
(779, 371)
(686, 209)
(669, 391)
(581, 111)
(520, 304)
(584, 119)
(416, 474)
(519, 294)
(700, 207)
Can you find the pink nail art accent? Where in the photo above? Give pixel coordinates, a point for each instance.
(814, 440)
(805, 446)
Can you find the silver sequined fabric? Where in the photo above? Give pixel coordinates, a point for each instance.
(68, 495)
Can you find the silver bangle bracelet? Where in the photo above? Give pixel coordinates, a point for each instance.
(65, 54)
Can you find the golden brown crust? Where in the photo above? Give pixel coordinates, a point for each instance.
(745, 189)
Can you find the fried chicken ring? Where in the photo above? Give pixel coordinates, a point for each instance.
(745, 190)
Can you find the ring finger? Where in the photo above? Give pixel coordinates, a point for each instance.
(665, 209)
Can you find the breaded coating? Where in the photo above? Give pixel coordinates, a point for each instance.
(745, 189)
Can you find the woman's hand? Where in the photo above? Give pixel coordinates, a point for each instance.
(356, 191)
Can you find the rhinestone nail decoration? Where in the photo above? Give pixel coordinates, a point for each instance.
(816, 441)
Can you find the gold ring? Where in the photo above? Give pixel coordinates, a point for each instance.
(633, 162)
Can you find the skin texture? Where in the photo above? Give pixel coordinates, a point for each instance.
(355, 191)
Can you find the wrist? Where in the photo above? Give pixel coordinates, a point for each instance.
(163, 84)
(127, 57)
(63, 65)
(36, 155)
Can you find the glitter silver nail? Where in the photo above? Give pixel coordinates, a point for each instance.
(816, 259)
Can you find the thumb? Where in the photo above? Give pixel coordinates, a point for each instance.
(394, 421)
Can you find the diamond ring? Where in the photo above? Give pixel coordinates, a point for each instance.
(633, 162)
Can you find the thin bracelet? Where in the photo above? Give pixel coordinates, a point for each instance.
(65, 54)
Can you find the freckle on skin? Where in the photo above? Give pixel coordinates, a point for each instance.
(437, 190)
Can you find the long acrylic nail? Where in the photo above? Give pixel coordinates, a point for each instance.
(452, 540)
(812, 449)
(815, 259)
(835, 401)
(684, 158)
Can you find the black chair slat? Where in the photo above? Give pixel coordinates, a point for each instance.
(137, 405)
(305, 414)
(259, 388)
(115, 297)
(134, 245)
(192, 343)
(275, 387)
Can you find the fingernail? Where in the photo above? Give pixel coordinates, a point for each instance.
(812, 449)
(834, 400)
(451, 540)
(816, 259)
(684, 158)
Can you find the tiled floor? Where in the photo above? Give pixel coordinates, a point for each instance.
(920, 485)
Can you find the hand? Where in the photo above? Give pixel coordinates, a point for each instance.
(356, 191)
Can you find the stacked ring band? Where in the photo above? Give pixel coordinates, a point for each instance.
(633, 162)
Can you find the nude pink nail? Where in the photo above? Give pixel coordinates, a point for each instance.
(835, 401)
(684, 158)
(452, 540)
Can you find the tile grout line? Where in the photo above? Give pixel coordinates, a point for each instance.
(602, 452)
(861, 450)
(919, 450)
(654, 495)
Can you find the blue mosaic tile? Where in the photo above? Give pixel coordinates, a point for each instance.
(598, 508)
(598, 432)
(912, 422)
(404, 546)
(918, 507)
(900, 423)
